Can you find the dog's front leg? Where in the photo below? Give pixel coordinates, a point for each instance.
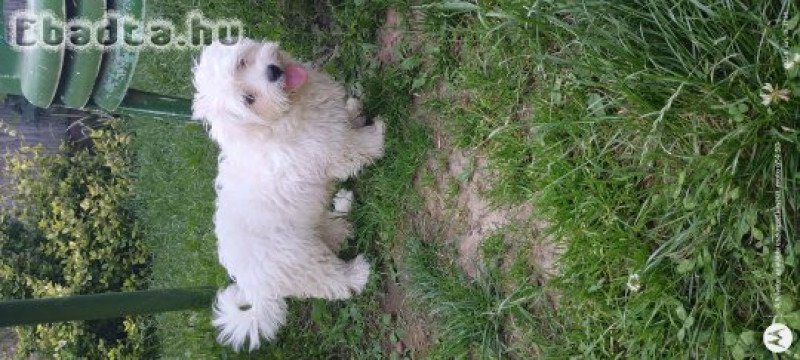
(365, 147)
(370, 140)
(354, 107)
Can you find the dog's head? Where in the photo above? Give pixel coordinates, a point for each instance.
(246, 82)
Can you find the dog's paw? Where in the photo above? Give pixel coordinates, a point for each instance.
(358, 122)
(358, 274)
(335, 231)
(380, 125)
(353, 106)
(343, 201)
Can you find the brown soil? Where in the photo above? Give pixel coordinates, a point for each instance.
(453, 184)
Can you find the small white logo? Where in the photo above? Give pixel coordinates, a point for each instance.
(778, 338)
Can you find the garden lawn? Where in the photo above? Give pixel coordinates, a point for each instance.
(635, 133)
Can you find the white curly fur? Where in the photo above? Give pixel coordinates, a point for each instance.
(283, 144)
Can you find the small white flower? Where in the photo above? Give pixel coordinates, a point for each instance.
(773, 94)
(791, 61)
(634, 283)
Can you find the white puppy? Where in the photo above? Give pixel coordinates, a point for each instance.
(285, 133)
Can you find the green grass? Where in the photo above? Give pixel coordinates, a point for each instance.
(648, 151)
(637, 131)
(174, 198)
(485, 317)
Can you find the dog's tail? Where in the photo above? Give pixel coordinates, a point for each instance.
(239, 319)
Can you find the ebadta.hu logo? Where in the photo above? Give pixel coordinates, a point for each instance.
(45, 30)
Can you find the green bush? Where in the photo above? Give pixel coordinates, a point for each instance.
(71, 233)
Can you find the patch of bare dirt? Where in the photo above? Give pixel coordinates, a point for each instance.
(389, 37)
(417, 335)
(453, 184)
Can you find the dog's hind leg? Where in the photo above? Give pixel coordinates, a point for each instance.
(334, 230)
(330, 277)
(334, 227)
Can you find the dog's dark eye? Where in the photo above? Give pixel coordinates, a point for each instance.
(249, 99)
(242, 63)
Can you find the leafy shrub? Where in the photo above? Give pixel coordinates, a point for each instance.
(71, 233)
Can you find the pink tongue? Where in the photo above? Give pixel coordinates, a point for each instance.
(296, 76)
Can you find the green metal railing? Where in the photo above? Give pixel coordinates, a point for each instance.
(103, 306)
(82, 78)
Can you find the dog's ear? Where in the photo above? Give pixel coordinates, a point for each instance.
(202, 104)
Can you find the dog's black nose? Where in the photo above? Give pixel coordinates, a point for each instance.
(274, 73)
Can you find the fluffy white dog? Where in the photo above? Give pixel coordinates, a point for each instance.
(285, 133)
